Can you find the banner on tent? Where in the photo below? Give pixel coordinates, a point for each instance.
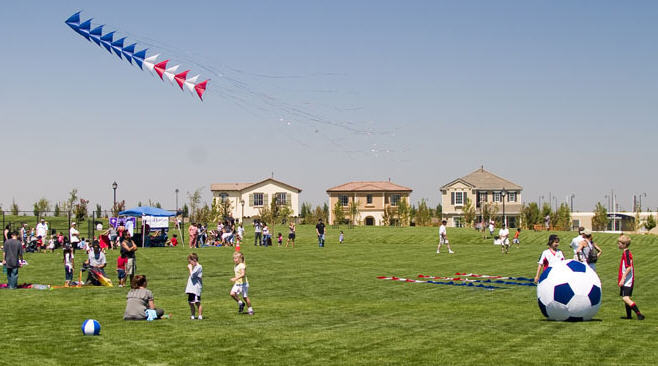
(156, 222)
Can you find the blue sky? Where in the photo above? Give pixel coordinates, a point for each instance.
(557, 96)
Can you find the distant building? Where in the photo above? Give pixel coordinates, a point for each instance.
(373, 199)
(485, 190)
(617, 222)
(248, 198)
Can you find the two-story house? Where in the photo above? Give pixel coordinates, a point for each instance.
(372, 198)
(487, 192)
(248, 198)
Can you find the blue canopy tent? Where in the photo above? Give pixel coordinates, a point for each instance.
(146, 211)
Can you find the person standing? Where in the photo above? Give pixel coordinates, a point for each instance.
(503, 234)
(128, 249)
(443, 238)
(258, 238)
(42, 229)
(549, 256)
(575, 242)
(12, 256)
(626, 277)
(240, 284)
(193, 232)
(74, 236)
(320, 231)
(194, 285)
(291, 234)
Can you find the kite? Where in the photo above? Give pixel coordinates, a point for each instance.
(137, 58)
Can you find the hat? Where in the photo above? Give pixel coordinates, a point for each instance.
(587, 232)
(73, 223)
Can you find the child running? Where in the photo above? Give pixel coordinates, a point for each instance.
(121, 269)
(341, 237)
(68, 266)
(516, 238)
(194, 285)
(240, 283)
(626, 278)
(549, 256)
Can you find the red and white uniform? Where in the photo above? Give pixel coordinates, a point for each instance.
(549, 257)
(626, 262)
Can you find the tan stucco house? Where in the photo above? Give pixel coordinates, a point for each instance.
(482, 188)
(248, 198)
(373, 197)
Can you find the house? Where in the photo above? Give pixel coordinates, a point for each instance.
(487, 192)
(247, 199)
(372, 199)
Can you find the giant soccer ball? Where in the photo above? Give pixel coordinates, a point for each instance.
(569, 290)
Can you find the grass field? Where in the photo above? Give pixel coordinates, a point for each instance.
(325, 306)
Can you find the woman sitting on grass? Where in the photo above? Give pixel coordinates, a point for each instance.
(139, 299)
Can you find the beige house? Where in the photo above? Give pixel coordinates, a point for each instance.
(248, 198)
(486, 191)
(373, 198)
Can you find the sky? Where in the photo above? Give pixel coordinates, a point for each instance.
(559, 97)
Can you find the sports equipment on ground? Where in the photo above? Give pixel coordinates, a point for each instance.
(91, 327)
(569, 290)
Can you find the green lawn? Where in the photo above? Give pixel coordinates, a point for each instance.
(325, 306)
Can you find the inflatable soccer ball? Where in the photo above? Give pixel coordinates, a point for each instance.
(91, 327)
(569, 290)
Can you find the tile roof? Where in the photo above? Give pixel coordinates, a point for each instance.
(369, 187)
(482, 179)
(243, 186)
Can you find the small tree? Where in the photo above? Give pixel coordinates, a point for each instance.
(56, 210)
(563, 221)
(43, 205)
(14, 207)
(387, 216)
(403, 211)
(600, 220)
(468, 213)
(80, 209)
(118, 207)
(650, 223)
(195, 203)
(339, 214)
(354, 211)
(423, 215)
(530, 215)
(98, 210)
(306, 212)
(186, 211)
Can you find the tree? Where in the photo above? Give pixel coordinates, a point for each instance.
(339, 214)
(489, 210)
(530, 215)
(118, 207)
(14, 208)
(35, 209)
(43, 205)
(439, 212)
(325, 212)
(387, 216)
(650, 223)
(423, 215)
(353, 209)
(186, 211)
(403, 211)
(468, 213)
(98, 211)
(563, 221)
(195, 204)
(56, 209)
(305, 212)
(224, 208)
(80, 209)
(600, 220)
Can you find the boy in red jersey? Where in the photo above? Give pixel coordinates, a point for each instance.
(626, 278)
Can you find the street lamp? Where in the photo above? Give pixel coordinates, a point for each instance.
(573, 195)
(503, 194)
(176, 200)
(242, 216)
(114, 188)
(539, 205)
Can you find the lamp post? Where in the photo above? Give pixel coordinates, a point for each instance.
(114, 188)
(539, 205)
(242, 215)
(573, 195)
(176, 190)
(503, 193)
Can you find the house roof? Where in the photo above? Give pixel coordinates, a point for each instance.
(370, 186)
(482, 179)
(242, 186)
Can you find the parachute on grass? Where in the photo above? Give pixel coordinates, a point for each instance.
(139, 57)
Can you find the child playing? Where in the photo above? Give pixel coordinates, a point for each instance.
(194, 285)
(240, 283)
(68, 265)
(173, 241)
(121, 269)
(626, 278)
(51, 244)
(279, 239)
(443, 238)
(516, 238)
(549, 256)
(341, 237)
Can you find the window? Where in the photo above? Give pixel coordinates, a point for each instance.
(483, 196)
(369, 199)
(343, 200)
(258, 199)
(497, 197)
(459, 198)
(511, 196)
(457, 221)
(281, 198)
(395, 199)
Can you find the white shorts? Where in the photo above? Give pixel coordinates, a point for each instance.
(505, 242)
(515, 241)
(443, 240)
(241, 288)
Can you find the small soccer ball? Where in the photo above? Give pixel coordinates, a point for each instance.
(91, 327)
(569, 290)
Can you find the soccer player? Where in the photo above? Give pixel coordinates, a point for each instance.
(549, 256)
(240, 283)
(516, 239)
(443, 238)
(626, 278)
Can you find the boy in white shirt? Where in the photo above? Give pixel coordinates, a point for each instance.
(194, 285)
(443, 238)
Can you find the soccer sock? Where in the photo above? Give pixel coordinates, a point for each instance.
(628, 310)
(635, 309)
(239, 302)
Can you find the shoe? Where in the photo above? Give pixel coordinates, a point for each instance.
(437, 252)
(626, 317)
(200, 317)
(640, 317)
(240, 307)
(451, 252)
(192, 317)
(252, 313)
